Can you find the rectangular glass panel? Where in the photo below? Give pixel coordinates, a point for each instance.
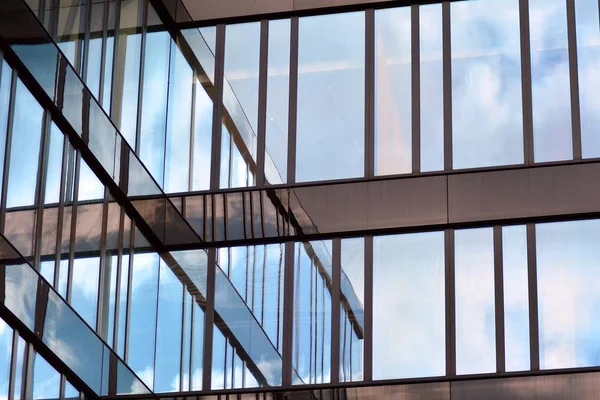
(240, 96)
(5, 84)
(84, 289)
(352, 288)
(312, 314)
(475, 303)
(21, 292)
(331, 97)
(53, 171)
(588, 59)
(487, 121)
(6, 335)
(516, 297)
(432, 87)
(408, 306)
(19, 370)
(198, 346)
(179, 120)
(46, 381)
(278, 85)
(169, 331)
(393, 125)
(203, 109)
(550, 80)
(25, 149)
(568, 297)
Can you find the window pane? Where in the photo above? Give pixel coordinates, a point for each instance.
(312, 314)
(202, 139)
(352, 287)
(129, 96)
(142, 316)
(177, 167)
(408, 306)
(154, 104)
(550, 81)
(278, 82)
(6, 335)
(432, 87)
(588, 59)
(46, 381)
(393, 135)
(84, 290)
(25, 149)
(240, 99)
(475, 305)
(568, 297)
(168, 335)
(487, 122)
(330, 127)
(53, 172)
(516, 297)
(5, 82)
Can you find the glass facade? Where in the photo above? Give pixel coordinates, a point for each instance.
(296, 202)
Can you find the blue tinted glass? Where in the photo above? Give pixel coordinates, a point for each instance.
(487, 122)
(46, 381)
(25, 149)
(84, 292)
(53, 171)
(330, 127)
(203, 109)
(6, 335)
(131, 75)
(568, 297)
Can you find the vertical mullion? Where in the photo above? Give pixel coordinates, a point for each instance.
(368, 327)
(262, 102)
(217, 125)
(132, 238)
(369, 160)
(104, 276)
(534, 344)
(293, 100)
(209, 317)
(73, 233)
(574, 80)
(335, 309)
(288, 314)
(192, 140)
(499, 299)
(450, 304)
(61, 211)
(115, 335)
(526, 82)
(447, 73)
(416, 88)
(13, 365)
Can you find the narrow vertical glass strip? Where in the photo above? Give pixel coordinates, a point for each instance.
(278, 81)
(19, 371)
(588, 59)
(516, 303)
(475, 304)
(550, 81)
(6, 335)
(393, 125)
(432, 88)
(198, 347)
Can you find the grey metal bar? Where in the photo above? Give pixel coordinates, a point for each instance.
(415, 88)
(528, 146)
(369, 93)
(209, 318)
(104, 276)
(447, 73)
(215, 170)
(293, 100)
(499, 298)
(574, 80)
(262, 102)
(450, 304)
(368, 336)
(288, 315)
(534, 341)
(335, 309)
(27, 379)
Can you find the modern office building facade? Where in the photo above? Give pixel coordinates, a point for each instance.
(299, 199)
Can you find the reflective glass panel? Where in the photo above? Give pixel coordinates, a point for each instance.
(203, 109)
(312, 313)
(5, 83)
(21, 292)
(330, 126)
(487, 122)
(84, 291)
(25, 149)
(19, 369)
(474, 302)
(516, 297)
(588, 59)
(393, 134)
(129, 90)
(568, 297)
(408, 306)
(352, 289)
(278, 86)
(53, 171)
(46, 381)
(432, 86)
(550, 80)
(6, 335)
